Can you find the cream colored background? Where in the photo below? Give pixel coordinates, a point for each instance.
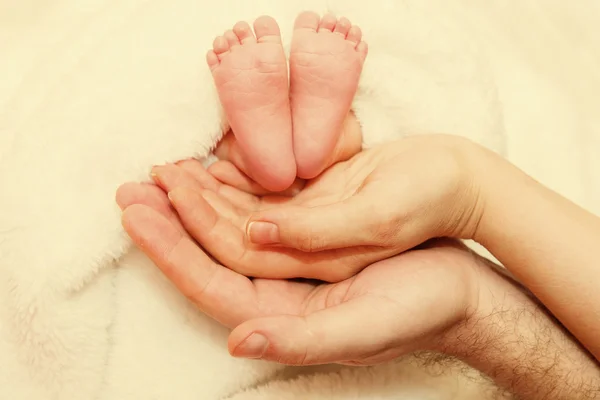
(94, 92)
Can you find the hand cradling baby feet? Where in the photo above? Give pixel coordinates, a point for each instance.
(297, 127)
(281, 130)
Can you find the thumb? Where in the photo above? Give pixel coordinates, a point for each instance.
(357, 221)
(335, 334)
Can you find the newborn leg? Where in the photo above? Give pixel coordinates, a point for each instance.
(250, 73)
(326, 61)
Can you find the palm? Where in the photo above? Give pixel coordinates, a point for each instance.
(410, 293)
(220, 215)
(274, 296)
(382, 165)
(336, 184)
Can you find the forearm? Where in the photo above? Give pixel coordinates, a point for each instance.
(511, 338)
(548, 243)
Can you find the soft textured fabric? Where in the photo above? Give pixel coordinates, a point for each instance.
(93, 93)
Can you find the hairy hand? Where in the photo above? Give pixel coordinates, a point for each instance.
(300, 322)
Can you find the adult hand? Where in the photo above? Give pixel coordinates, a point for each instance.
(379, 203)
(440, 297)
(399, 195)
(308, 323)
(396, 196)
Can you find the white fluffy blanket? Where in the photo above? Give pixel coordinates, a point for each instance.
(94, 92)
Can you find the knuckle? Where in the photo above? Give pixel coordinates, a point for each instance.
(197, 294)
(239, 261)
(383, 235)
(304, 243)
(310, 242)
(297, 358)
(386, 234)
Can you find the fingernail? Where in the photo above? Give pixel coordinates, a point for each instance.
(154, 174)
(254, 346)
(178, 196)
(260, 232)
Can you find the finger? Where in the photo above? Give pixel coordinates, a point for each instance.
(195, 169)
(227, 173)
(239, 199)
(219, 292)
(223, 237)
(141, 193)
(328, 336)
(213, 230)
(149, 195)
(170, 177)
(247, 202)
(222, 207)
(357, 221)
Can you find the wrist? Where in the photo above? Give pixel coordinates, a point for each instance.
(544, 239)
(470, 339)
(509, 336)
(477, 166)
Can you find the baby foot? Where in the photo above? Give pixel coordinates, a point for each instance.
(250, 73)
(326, 61)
